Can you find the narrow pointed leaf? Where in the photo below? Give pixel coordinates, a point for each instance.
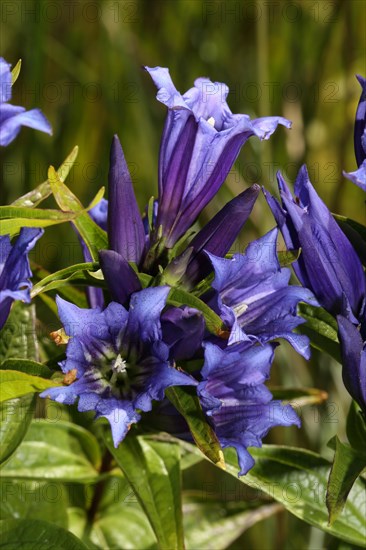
(95, 238)
(15, 72)
(35, 534)
(16, 384)
(347, 465)
(43, 190)
(321, 328)
(189, 406)
(63, 276)
(153, 471)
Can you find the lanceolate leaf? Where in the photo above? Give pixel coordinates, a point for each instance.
(347, 465)
(94, 237)
(15, 384)
(55, 450)
(15, 417)
(189, 406)
(15, 72)
(299, 397)
(35, 534)
(152, 469)
(62, 277)
(43, 190)
(298, 478)
(17, 340)
(321, 328)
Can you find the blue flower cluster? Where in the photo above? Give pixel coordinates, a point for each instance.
(135, 341)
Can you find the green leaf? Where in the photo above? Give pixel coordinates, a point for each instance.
(15, 384)
(34, 534)
(355, 232)
(15, 417)
(33, 500)
(17, 339)
(298, 478)
(120, 521)
(95, 238)
(15, 72)
(62, 277)
(55, 450)
(205, 522)
(43, 190)
(288, 257)
(66, 290)
(27, 366)
(178, 297)
(12, 227)
(347, 466)
(187, 403)
(18, 336)
(152, 469)
(356, 428)
(321, 328)
(15, 212)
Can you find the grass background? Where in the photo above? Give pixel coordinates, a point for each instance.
(82, 65)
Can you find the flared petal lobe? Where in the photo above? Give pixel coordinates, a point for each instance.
(15, 271)
(117, 362)
(12, 117)
(254, 298)
(234, 397)
(200, 143)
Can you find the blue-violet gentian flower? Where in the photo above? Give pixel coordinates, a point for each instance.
(12, 117)
(117, 362)
(359, 176)
(254, 298)
(328, 263)
(15, 270)
(235, 399)
(200, 143)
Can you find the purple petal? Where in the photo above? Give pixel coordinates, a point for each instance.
(144, 315)
(220, 233)
(121, 279)
(11, 123)
(126, 230)
(183, 330)
(5, 81)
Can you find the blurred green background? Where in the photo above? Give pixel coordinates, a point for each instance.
(82, 65)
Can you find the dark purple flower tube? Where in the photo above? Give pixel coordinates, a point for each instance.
(328, 264)
(200, 143)
(354, 361)
(125, 228)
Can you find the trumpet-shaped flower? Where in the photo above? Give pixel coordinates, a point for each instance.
(234, 397)
(117, 362)
(201, 141)
(328, 263)
(12, 117)
(254, 298)
(14, 269)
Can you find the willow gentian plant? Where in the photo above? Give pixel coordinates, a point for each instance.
(165, 340)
